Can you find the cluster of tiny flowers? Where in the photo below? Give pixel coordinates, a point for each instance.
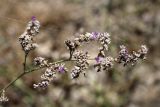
(142, 52)
(103, 38)
(126, 58)
(26, 39)
(41, 62)
(81, 63)
(81, 58)
(46, 78)
(103, 64)
(50, 72)
(3, 97)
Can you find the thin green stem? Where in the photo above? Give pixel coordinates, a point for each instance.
(12, 82)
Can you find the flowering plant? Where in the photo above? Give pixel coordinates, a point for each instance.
(81, 58)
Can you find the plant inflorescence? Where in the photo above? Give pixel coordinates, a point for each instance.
(80, 57)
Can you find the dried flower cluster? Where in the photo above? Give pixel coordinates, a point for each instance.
(41, 62)
(46, 78)
(103, 62)
(81, 63)
(26, 39)
(3, 97)
(126, 58)
(103, 38)
(50, 72)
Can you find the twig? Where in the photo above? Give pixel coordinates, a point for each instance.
(7, 86)
(26, 72)
(32, 70)
(25, 61)
(71, 53)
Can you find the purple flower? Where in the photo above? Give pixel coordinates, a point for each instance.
(33, 18)
(61, 69)
(98, 59)
(95, 35)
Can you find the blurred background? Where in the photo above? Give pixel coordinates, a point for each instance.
(129, 22)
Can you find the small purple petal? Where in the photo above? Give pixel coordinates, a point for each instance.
(98, 59)
(61, 69)
(95, 35)
(33, 18)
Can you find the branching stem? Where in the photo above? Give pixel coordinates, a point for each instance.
(32, 70)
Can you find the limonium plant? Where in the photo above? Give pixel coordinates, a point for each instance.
(80, 57)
